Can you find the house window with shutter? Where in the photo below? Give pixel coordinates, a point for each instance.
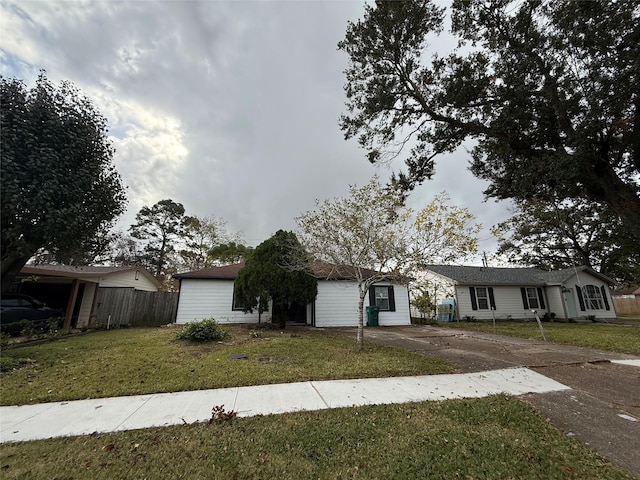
(532, 298)
(482, 295)
(482, 298)
(382, 296)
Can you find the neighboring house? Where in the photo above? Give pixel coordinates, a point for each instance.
(75, 289)
(209, 293)
(512, 293)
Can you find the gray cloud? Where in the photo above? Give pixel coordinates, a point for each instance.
(230, 108)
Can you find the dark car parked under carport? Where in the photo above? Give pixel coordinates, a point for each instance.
(18, 312)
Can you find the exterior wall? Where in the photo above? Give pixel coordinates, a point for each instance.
(337, 305)
(87, 302)
(200, 299)
(402, 314)
(128, 279)
(508, 301)
(582, 279)
(555, 302)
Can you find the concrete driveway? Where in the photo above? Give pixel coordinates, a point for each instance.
(602, 409)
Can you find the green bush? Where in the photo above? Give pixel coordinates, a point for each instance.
(203, 331)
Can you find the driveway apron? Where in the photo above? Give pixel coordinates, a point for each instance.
(602, 408)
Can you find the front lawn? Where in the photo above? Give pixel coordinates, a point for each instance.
(139, 361)
(613, 338)
(490, 438)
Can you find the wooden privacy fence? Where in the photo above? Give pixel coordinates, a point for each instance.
(627, 304)
(119, 307)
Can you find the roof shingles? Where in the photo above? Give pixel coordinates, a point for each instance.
(464, 275)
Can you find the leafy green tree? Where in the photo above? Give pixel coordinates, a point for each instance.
(203, 234)
(377, 238)
(231, 252)
(162, 225)
(90, 250)
(546, 90)
(422, 300)
(126, 251)
(278, 270)
(60, 188)
(563, 233)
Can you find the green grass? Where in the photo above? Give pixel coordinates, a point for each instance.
(495, 437)
(613, 338)
(139, 361)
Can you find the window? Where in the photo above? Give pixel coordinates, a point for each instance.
(482, 298)
(382, 296)
(593, 298)
(532, 298)
(235, 305)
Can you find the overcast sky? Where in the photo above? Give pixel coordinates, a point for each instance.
(230, 108)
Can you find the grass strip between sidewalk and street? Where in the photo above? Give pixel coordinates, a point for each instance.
(494, 437)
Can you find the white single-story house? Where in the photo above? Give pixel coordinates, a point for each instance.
(208, 293)
(484, 293)
(74, 289)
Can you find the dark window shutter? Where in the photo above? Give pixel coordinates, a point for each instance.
(541, 298)
(604, 297)
(474, 302)
(372, 296)
(580, 299)
(492, 299)
(525, 302)
(392, 300)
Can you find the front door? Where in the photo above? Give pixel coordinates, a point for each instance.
(570, 302)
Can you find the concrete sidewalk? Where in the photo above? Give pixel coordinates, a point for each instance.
(83, 417)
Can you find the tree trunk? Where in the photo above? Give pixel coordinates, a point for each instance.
(360, 334)
(11, 266)
(606, 186)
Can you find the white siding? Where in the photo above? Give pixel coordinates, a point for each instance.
(128, 279)
(337, 305)
(554, 299)
(201, 299)
(87, 302)
(508, 304)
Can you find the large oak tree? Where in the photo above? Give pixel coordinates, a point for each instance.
(60, 188)
(561, 233)
(547, 90)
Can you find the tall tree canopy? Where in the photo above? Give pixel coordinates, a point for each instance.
(231, 252)
(563, 233)
(59, 186)
(202, 236)
(373, 234)
(277, 270)
(548, 90)
(162, 225)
